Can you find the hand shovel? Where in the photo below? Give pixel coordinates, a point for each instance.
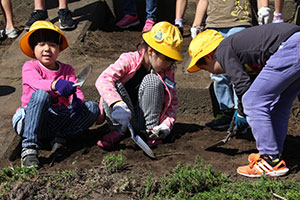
(231, 132)
(140, 142)
(82, 76)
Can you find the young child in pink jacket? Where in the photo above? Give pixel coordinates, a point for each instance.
(140, 88)
(52, 108)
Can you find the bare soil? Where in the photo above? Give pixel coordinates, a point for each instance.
(188, 138)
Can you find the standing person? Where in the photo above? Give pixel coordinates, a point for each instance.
(9, 31)
(263, 63)
(227, 17)
(140, 88)
(55, 110)
(198, 23)
(40, 13)
(264, 11)
(131, 18)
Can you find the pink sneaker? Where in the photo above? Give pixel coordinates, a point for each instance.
(277, 18)
(154, 143)
(148, 25)
(127, 21)
(110, 139)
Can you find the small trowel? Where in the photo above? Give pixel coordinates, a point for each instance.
(82, 76)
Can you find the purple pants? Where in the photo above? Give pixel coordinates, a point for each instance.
(268, 101)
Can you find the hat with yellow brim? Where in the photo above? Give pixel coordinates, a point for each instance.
(24, 41)
(203, 44)
(166, 39)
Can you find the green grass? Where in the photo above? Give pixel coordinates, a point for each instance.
(8, 175)
(199, 181)
(114, 163)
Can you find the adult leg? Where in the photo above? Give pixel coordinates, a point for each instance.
(7, 8)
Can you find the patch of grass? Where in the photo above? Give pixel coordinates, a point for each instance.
(114, 163)
(8, 175)
(199, 181)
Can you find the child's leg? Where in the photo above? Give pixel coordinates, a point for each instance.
(151, 95)
(73, 126)
(35, 119)
(151, 7)
(281, 112)
(277, 78)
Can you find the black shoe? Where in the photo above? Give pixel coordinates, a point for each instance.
(59, 149)
(222, 121)
(65, 19)
(29, 158)
(35, 16)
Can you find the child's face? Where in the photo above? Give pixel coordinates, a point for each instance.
(211, 65)
(47, 53)
(159, 61)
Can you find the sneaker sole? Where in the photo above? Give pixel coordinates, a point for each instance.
(274, 173)
(133, 24)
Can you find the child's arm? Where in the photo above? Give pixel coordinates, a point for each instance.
(105, 83)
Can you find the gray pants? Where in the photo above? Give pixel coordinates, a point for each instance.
(146, 114)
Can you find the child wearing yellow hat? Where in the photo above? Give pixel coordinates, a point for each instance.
(52, 108)
(264, 66)
(140, 88)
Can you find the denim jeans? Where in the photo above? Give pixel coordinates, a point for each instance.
(224, 92)
(268, 101)
(42, 121)
(129, 7)
(151, 7)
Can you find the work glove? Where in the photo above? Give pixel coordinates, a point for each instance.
(195, 30)
(240, 122)
(76, 106)
(122, 114)
(263, 15)
(65, 88)
(159, 132)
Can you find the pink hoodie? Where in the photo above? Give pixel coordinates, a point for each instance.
(123, 70)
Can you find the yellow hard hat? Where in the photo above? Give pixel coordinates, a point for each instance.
(203, 44)
(24, 42)
(166, 39)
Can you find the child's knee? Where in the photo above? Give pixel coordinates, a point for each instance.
(153, 81)
(93, 107)
(41, 96)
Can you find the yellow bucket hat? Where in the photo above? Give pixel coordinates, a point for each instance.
(166, 39)
(24, 42)
(203, 44)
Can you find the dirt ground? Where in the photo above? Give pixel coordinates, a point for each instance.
(188, 138)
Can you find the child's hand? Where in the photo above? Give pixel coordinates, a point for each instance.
(160, 132)
(240, 122)
(65, 88)
(76, 106)
(263, 15)
(122, 114)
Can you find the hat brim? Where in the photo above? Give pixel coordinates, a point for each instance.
(192, 66)
(26, 49)
(160, 47)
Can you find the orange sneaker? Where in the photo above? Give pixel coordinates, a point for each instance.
(253, 157)
(260, 166)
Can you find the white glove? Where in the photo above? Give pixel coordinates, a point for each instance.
(122, 114)
(263, 15)
(160, 132)
(195, 30)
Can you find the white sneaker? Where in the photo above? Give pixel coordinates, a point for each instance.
(8, 33)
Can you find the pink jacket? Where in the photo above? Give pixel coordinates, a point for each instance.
(37, 77)
(123, 70)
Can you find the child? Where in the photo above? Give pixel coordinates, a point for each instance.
(139, 87)
(47, 93)
(264, 66)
